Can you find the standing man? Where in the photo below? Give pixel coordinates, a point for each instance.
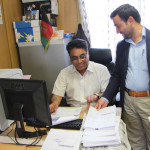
(131, 75)
(82, 81)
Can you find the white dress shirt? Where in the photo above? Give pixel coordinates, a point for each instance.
(77, 87)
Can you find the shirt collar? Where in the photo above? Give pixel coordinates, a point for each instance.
(143, 36)
(89, 68)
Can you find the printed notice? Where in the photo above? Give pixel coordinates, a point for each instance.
(1, 20)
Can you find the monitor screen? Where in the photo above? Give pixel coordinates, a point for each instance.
(25, 99)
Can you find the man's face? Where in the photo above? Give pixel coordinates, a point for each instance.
(79, 58)
(124, 28)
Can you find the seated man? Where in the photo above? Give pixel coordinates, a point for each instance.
(82, 81)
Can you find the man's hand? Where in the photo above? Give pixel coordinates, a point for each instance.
(102, 103)
(55, 103)
(53, 107)
(91, 98)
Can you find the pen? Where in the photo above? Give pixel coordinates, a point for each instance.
(142, 52)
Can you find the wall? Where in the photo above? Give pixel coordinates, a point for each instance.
(68, 17)
(67, 20)
(11, 11)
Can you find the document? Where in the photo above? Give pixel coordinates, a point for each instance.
(149, 118)
(63, 112)
(101, 141)
(62, 140)
(8, 140)
(64, 119)
(27, 77)
(101, 128)
(103, 132)
(105, 118)
(63, 115)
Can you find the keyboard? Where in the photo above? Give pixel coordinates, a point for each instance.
(75, 125)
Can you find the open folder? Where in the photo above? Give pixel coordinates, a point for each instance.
(63, 115)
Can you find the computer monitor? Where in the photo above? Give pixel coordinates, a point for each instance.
(24, 100)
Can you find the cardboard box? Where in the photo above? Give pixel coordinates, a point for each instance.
(27, 31)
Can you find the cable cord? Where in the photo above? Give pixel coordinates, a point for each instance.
(36, 141)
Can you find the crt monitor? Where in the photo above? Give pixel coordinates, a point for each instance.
(24, 100)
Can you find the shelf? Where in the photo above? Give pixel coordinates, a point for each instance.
(38, 43)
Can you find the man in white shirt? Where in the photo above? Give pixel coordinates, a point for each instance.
(83, 82)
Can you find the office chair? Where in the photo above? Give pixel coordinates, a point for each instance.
(102, 56)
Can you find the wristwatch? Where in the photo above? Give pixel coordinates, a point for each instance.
(98, 97)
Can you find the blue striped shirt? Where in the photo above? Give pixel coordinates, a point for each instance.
(137, 78)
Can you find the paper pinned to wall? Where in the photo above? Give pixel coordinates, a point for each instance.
(1, 20)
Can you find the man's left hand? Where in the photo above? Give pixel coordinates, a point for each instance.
(91, 98)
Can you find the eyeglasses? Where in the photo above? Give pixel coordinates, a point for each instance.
(82, 56)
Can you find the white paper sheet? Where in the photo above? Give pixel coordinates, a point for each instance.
(106, 140)
(64, 119)
(104, 118)
(101, 128)
(149, 119)
(62, 140)
(63, 112)
(1, 20)
(103, 132)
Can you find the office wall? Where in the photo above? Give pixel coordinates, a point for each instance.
(67, 20)
(68, 17)
(11, 11)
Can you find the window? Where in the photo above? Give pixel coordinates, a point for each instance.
(102, 30)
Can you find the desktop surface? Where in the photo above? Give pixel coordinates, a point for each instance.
(24, 147)
(4, 146)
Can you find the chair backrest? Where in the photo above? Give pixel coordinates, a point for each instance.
(102, 56)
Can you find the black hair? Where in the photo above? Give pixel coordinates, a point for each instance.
(125, 11)
(77, 43)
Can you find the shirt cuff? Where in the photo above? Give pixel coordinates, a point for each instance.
(105, 99)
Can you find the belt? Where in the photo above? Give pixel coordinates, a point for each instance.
(137, 93)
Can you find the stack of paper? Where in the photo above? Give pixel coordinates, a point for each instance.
(101, 128)
(62, 140)
(63, 115)
(149, 119)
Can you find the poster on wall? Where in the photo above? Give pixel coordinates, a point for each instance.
(1, 20)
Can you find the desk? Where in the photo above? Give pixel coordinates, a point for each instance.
(23, 147)
(123, 146)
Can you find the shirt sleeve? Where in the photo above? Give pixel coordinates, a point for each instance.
(60, 85)
(105, 99)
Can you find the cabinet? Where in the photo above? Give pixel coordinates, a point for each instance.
(44, 65)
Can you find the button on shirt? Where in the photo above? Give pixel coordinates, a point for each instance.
(77, 87)
(137, 78)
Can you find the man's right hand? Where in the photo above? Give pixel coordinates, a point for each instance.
(53, 107)
(102, 103)
(55, 103)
